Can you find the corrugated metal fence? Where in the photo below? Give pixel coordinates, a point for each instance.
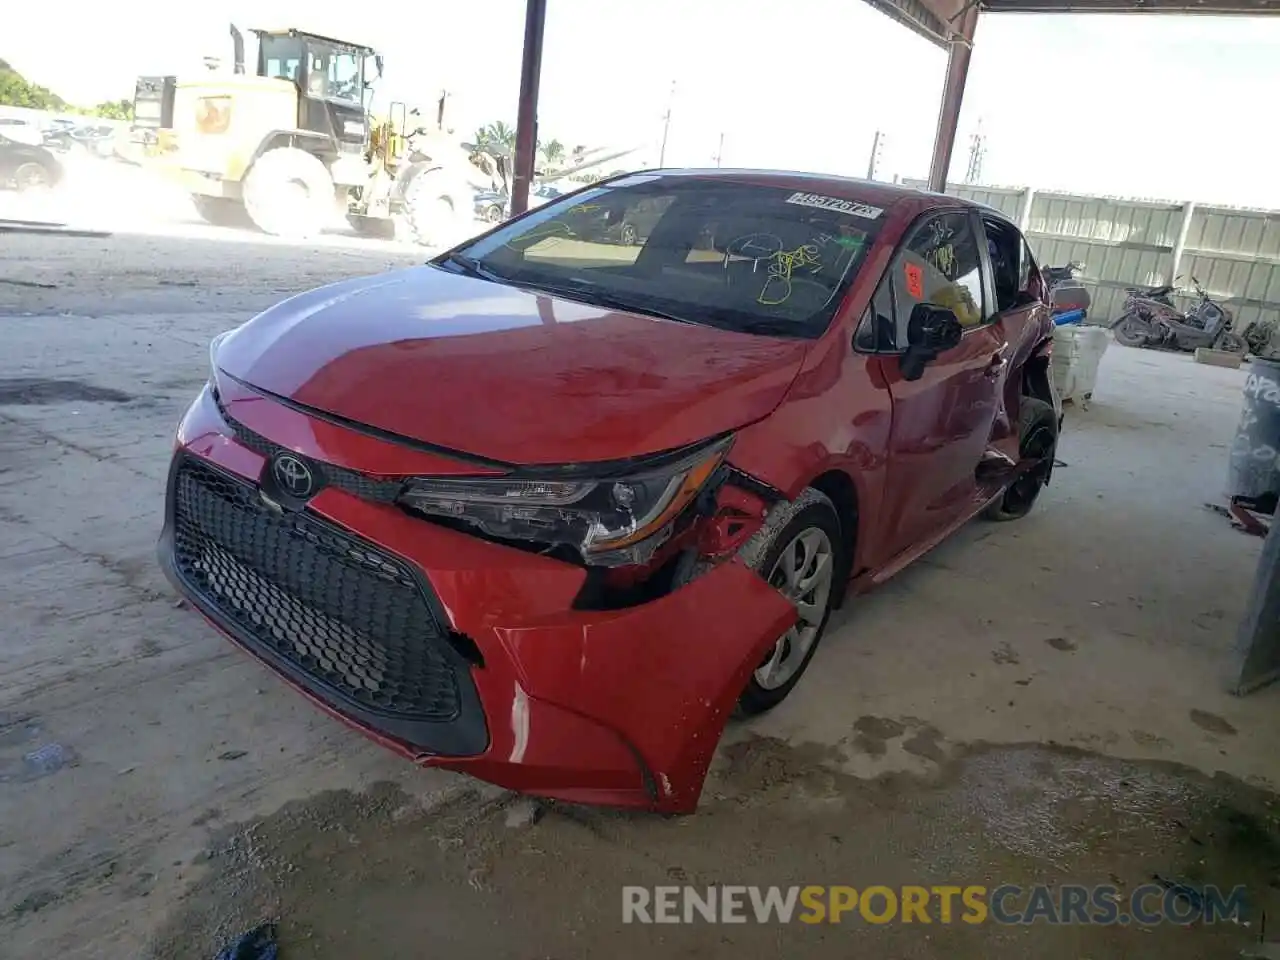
(1234, 253)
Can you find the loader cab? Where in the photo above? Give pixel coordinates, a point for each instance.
(332, 78)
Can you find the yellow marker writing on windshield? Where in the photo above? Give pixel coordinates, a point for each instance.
(777, 289)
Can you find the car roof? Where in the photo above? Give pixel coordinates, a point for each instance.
(873, 192)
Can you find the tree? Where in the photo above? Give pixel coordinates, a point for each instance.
(17, 91)
(553, 152)
(114, 109)
(499, 136)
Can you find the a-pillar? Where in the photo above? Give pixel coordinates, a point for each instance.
(944, 139)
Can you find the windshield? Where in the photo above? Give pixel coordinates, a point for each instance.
(335, 74)
(759, 259)
(331, 72)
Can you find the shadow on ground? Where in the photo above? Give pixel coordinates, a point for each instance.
(374, 875)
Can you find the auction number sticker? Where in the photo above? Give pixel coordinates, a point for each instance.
(836, 204)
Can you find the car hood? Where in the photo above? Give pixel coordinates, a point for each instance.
(507, 374)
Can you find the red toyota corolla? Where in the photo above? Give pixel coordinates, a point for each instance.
(546, 509)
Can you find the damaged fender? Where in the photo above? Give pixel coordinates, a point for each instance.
(665, 676)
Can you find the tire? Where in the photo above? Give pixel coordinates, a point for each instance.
(289, 193)
(810, 523)
(1131, 331)
(1038, 428)
(493, 214)
(222, 211)
(1233, 343)
(32, 176)
(629, 235)
(429, 210)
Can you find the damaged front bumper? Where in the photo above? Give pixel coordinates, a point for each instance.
(456, 651)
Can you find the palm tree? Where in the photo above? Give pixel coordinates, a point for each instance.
(553, 152)
(501, 136)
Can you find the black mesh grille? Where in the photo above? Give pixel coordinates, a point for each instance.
(357, 484)
(339, 609)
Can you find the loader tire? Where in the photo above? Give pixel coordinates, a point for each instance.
(429, 211)
(289, 193)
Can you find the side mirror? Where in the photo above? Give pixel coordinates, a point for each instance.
(378, 63)
(931, 331)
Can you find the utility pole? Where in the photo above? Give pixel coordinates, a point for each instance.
(666, 127)
(535, 19)
(720, 150)
(877, 146)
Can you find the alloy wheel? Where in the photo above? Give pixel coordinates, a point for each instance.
(804, 574)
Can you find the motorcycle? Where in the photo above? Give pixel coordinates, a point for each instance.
(1151, 319)
(1069, 300)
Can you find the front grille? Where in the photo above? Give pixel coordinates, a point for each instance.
(343, 612)
(377, 490)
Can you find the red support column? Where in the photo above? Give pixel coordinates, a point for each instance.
(535, 19)
(952, 95)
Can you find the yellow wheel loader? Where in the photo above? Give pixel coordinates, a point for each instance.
(292, 147)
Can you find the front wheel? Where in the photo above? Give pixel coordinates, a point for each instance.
(1037, 441)
(289, 193)
(1132, 331)
(801, 558)
(430, 210)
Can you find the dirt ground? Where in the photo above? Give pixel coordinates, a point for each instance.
(1038, 702)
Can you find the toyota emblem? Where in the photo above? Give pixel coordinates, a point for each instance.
(293, 476)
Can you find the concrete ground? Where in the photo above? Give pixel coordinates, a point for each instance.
(1036, 702)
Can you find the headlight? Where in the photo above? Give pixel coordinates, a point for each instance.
(611, 520)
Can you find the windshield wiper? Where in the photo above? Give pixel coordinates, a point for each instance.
(473, 267)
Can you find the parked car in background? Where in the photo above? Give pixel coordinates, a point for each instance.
(628, 227)
(491, 206)
(542, 193)
(546, 509)
(26, 166)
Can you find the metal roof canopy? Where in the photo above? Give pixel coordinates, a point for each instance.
(948, 23)
(951, 24)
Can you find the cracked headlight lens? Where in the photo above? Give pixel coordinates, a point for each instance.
(612, 520)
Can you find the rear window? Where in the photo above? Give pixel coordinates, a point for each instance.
(753, 258)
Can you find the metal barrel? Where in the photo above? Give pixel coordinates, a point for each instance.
(1253, 467)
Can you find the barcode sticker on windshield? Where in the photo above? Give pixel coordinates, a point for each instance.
(836, 204)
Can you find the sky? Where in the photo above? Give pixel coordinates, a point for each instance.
(1146, 106)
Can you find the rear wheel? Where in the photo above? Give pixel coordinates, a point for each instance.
(1038, 441)
(289, 193)
(221, 211)
(1132, 331)
(802, 559)
(630, 236)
